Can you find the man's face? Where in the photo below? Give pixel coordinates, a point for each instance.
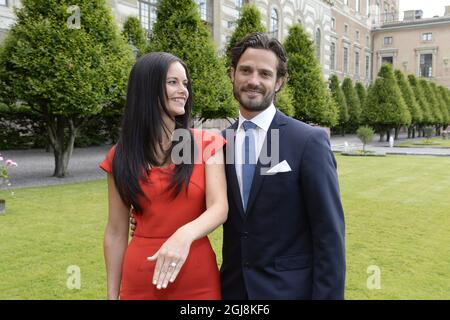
(255, 79)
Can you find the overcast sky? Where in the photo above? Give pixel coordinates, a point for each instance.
(430, 8)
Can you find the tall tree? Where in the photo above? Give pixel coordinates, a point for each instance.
(67, 63)
(135, 34)
(410, 100)
(441, 106)
(180, 31)
(432, 102)
(248, 22)
(339, 99)
(284, 101)
(353, 105)
(386, 108)
(427, 116)
(445, 94)
(362, 96)
(312, 100)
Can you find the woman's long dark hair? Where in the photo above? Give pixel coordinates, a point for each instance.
(142, 129)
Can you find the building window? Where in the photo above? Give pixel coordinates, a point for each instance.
(367, 67)
(376, 18)
(345, 60)
(388, 41)
(318, 43)
(368, 8)
(147, 14)
(206, 10)
(389, 60)
(333, 56)
(357, 35)
(4, 3)
(358, 5)
(346, 2)
(357, 64)
(238, 4)
(274, 23)
(346, 29)
(333, 24)
(427, 36)
(367, 41)
(426, 65)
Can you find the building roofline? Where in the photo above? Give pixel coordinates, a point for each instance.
(412, 24)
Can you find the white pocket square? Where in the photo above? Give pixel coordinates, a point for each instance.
(280, 167)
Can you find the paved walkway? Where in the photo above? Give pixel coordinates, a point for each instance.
(338, 142)
(36, 166)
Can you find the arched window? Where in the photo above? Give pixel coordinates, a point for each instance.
(318, 42)
(274, 24)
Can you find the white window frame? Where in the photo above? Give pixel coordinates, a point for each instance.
(427, 36)
(274, 23)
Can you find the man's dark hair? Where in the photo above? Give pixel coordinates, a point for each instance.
(259, 40)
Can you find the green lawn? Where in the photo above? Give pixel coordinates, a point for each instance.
(443, 143)
(397, 217)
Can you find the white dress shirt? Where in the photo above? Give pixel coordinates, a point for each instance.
(263, 121)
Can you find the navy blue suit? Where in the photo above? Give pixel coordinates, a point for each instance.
(289, 244)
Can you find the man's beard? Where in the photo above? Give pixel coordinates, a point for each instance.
(253, 105)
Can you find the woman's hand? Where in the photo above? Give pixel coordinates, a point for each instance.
(171, 257)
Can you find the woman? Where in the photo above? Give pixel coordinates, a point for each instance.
(175, 204)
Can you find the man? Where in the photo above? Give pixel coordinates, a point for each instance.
(284, 237)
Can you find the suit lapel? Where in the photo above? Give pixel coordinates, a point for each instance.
(231, 169)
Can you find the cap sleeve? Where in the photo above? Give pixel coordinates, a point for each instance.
(212, 142)
(106, 164)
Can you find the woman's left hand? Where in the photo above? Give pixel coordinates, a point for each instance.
(170, 258)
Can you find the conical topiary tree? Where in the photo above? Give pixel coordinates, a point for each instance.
(313, 103)
(411, 103)
(180, 31)
(441, 105)
(66, 66)
(362, 96)
(135, 34)
(353, 105)
(445, 94)
(339, 99)
(427, 116)
(248, 22)
(284, 101)
(386, 108)
(433, 103)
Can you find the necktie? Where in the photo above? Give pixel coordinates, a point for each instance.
(249, 164)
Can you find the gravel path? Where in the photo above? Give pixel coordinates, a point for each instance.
(36, 166)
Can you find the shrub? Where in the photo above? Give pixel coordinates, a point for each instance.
(365, 134)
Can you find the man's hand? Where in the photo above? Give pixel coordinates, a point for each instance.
(132, 223)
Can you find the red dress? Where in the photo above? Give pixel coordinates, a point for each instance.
(199, 277)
